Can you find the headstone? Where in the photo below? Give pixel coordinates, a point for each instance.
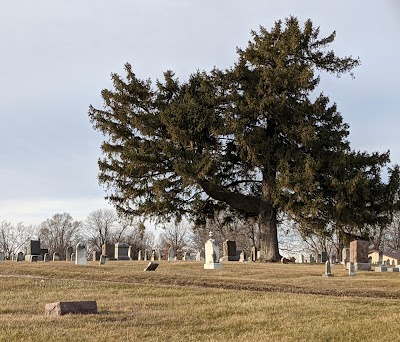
(312, 259)
(62, 308)
(351, 269)
(300, 259)
(102, 260)
(46, 257)
(186, 256)
(96, 255)
(242, 257)
(153, 255)
(284, 260)
(81, 254)
(229, 250)
(254, 253)
(393, 269)
(345, 256)
(33, 247)
(73, 257)
(158, 254)
(333, 260)
(1, 256)
(56, 256)
(140, 255)
(131, 253)
(319, 258)
(33, 258)
(212, 254)
(328, 272)
(121, 251)
(20, 256)
(381, 269)
(359, 255)
(200, 255)
(109, 250)
(68, 251)
(151, 266)
(146, 255)
(324, 256)
(171, 254)
(380, 260)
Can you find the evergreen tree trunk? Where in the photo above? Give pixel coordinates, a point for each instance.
(267, 221)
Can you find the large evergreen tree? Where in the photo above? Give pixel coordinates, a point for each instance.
(255, 138)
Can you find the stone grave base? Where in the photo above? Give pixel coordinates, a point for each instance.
(213, 266)
(361, 266)
(62, 308)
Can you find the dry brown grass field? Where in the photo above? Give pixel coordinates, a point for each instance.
(181, 301)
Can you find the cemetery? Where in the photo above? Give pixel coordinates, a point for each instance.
(104, 297)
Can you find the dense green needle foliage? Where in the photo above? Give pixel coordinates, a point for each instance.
(255, 138)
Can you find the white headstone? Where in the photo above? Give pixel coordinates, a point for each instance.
(212, 254)
(242, 256)
(171, 254)
(81, 254)
(328, 272)
(300, 259)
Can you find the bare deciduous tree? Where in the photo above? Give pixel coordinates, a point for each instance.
(57, 233)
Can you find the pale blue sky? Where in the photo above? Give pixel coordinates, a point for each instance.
(57, 55)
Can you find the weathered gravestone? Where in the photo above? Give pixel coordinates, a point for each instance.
(351, 269)
(46, 257)
(212, 254)
(153, 255)
(171, 254)
(109, 250)
(131, 253)
(102, 260)
(56, 256)
(121, 251)
(20, 256)
(140, 257)
(359, 255)
(151, 266)
(200, 255)
(229, 251)
(73, 257)
(186, 256)
(300, 259)
(62, 308)
(2, 256)
(242, 257)
(254, 253)
(312, 259)
(345, 256)
(96, 255)
(68, 252)
(81, 254)
(328, 272)
(324, 257)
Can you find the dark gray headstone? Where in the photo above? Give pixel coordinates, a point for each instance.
(33, 247)
(151, 266)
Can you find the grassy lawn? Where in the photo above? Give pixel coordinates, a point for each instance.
(181, 301)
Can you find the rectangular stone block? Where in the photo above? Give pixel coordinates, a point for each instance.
(62, 308)
(359, 251)
(151, 266)
(360, 266)
(392, 269)
(381, 269)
